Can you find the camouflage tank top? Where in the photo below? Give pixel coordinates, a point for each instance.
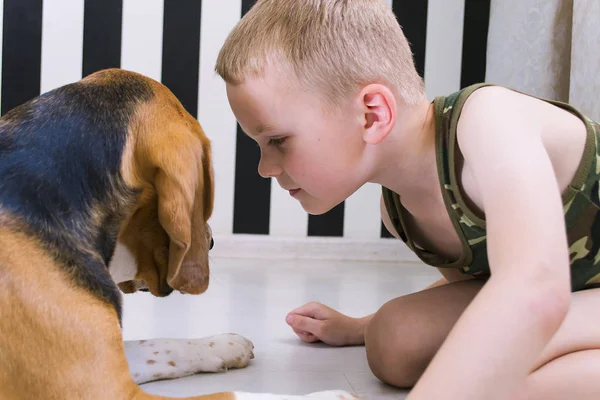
(580, 199)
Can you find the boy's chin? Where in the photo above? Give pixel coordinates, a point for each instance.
(316, 208)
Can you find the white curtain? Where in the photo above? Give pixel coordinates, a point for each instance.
(585, 61)
(548, 48)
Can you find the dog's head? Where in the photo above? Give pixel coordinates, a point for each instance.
(163, 245)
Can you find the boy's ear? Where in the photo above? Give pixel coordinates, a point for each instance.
(379, 109)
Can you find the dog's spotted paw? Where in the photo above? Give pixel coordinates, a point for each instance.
(156, 359)
(333, 395)
(326, 395)
(222, 352)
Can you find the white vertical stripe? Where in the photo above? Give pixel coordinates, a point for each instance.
(214, 114)
(585, 62)
(362, 219)
(443, 55)
(142, 37)
(287, 217)
(62, 43)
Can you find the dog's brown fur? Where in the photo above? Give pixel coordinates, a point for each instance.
(177, 187)
(58, 338)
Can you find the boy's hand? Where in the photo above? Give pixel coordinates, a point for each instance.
(315, 322)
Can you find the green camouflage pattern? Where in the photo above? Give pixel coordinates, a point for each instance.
(581, 203)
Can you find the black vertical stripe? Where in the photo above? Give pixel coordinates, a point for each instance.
(21, 52)
(329, 224)
(385, 233)
(181, 51)
(102, 30)
(252, 198)
(475, 37)
(246, 6)
(412, 17)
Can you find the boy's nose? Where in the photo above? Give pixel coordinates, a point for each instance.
(268, 169)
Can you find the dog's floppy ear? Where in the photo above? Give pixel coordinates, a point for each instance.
(181, 216)
(207, 169)
(181, 174)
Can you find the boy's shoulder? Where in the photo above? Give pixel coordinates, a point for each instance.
(483, 101)
(479, 106)
(485, 96)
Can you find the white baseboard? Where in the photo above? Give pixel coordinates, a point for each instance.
(314, 248)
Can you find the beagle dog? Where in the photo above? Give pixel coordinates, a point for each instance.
(105, 184)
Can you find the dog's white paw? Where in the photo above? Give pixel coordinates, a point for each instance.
(332, 395)
(222, 352)
(155, 359)
(325, 395)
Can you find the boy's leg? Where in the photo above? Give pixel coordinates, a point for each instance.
(404, 335)
(573, 376)
(568, 367)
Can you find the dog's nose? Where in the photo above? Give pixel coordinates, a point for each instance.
(212, 243)
(165, 289)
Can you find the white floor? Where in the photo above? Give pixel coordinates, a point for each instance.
(251, 298)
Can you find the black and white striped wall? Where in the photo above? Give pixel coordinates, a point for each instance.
(48, 43)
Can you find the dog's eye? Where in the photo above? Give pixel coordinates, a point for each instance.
(212, 244)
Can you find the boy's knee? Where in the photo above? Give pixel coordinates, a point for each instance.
(393, 348)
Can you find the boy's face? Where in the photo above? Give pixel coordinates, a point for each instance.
(313, 150)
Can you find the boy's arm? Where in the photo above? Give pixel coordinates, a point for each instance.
(500, 336)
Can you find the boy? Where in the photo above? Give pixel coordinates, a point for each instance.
(496, 188)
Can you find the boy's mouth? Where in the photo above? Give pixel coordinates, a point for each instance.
(294, 192)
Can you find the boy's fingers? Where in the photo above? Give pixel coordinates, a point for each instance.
(304, 324)
(303, 333)
(311, 309)
(310, 338)
(307, 309)
(306, 336)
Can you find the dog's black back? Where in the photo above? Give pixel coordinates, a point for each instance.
(60, 160)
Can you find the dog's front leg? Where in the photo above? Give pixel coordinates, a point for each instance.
(156, 359)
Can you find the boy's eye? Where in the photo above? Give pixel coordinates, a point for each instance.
(277, 142)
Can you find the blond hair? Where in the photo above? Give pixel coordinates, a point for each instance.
(333, 46)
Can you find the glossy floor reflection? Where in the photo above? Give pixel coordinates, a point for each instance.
(251, 298)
